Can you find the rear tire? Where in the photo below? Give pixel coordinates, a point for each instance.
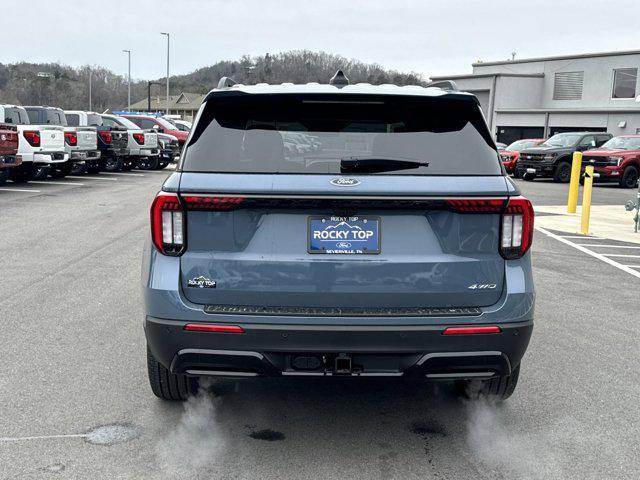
(517, 173)
(562, 173)
(629, 177)
(113, 164)
(62, 170)
(498, 388)
(148, 163)
(528, 177)
(167, 385)
(97, 167)
(79, 168)
(22, 173)
(4, 176)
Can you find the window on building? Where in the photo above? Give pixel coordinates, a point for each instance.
(568, 86)
(624, 82)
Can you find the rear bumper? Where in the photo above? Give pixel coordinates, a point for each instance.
(393, 351)
(9, 161)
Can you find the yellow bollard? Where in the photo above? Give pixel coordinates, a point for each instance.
(574, 184)
(586, 200)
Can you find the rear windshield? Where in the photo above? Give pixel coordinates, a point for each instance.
(329, 134)
(17, 116)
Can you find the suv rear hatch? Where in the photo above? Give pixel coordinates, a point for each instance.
(343, 204)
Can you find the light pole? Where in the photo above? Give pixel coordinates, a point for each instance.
(168, 36)
(90, 75)
(128, 52)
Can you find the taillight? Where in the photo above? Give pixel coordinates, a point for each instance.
(168, 217)
(516, 231)
(476, 205)
(213, 328)
(71, 138)
(139, 138)
(32, 136)
(105, 136)
(167, 224)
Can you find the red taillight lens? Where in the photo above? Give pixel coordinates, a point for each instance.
(472, 330)
(167, 224)
(476, 205)
(105, 136)
(209, 327)
(71, 138)
(33, 137)
(202, 202)
(139, 138)
(516, 231)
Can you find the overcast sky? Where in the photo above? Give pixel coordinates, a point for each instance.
(428, 37)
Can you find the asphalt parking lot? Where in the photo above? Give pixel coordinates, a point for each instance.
(75, 402)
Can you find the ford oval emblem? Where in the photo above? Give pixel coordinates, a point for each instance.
(345, 182)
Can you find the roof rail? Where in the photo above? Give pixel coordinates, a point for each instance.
(226, 82)
(448, 85)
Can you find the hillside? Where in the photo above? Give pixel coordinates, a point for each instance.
(68, 87)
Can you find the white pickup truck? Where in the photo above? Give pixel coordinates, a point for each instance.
(142, 146)
(80, 143)
(40, 146)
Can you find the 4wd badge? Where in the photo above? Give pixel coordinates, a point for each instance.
(201, 282)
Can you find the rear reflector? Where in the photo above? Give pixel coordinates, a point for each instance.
(204, 327)
(471, 330)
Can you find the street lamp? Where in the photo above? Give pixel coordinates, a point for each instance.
(168, 37)
(128, 52)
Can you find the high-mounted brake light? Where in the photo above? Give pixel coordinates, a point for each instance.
(209, 327)
(516, 230)
(480, 330)
(167, 224)
(139, 138)
(71, 138)
(32, 136)
(105, 136)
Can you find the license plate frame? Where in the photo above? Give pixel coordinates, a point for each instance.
(350, 244)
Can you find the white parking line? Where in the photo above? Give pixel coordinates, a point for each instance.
(56, 183)
(584, 237)
(93, 178)
(9, 189)
(599, 256)
(123, 174)
(633, 266)
(606, 246)
(42, 437)
(619, 255)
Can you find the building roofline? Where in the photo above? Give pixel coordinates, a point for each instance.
(559, 57)
(486, 75)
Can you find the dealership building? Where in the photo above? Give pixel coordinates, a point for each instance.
(538, 97)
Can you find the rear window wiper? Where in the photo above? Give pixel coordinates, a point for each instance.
(378, 164)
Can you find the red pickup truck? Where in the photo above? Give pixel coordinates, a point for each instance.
(618, 160)
(8, 150)
(510, 154)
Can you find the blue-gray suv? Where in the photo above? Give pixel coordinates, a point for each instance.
(338, 230)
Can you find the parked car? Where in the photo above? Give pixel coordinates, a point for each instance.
(142, 146)
(511, 153)
(39, 146)
(618, 160)
(157, 123)
(182, 125)
(374, 255)
(169, 149)
(84, 148)
(553, 157)
(112, 142)
(9, 157)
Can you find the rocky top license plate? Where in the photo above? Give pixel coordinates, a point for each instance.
(344, 235)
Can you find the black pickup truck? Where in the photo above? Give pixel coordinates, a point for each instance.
(553, 157)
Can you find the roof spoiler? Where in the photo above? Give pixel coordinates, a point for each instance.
(226, 82)
(448, 85)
